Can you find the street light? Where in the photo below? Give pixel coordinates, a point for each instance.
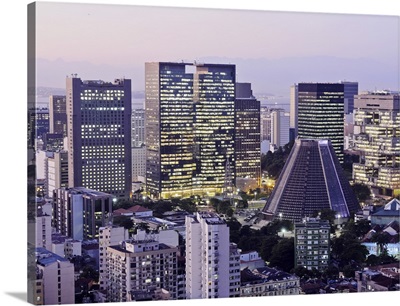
(280, 216)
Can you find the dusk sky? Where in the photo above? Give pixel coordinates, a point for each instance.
(272, 50)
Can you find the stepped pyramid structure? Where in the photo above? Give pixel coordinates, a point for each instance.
(312, 179)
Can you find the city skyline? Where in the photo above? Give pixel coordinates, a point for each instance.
(284, 48)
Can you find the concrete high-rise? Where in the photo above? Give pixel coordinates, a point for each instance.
(207, 257)
(79, 212)
(279, 127)
(311, 180)
(247, 133)
(350, 91)
(377, 139)
(320, 110)
(293, 111)
(189, 127)
(99, 135)
(312, 244)
(140, 266)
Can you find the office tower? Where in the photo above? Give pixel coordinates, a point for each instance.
(320, 113)
(79, 212)
(350, 91)
(138, 146)
(99, 135)
(140, 266)
(207, 256)
(53, 142)
(138, 136)
(293, 112)
(377, 139)
(58, 115)
(56, 171)
(247, 133)
(108, 236)
(312, 246)
(38, 122)
(311, 180)
(189, 127)
(266, 125)
(55, 282)
(279, 128)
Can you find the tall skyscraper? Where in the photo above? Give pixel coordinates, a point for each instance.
(58, 115)
(207, 256)
(350, 91)
(99, 135)
(293, 111)
(138, 146)
(311, 180)
(266, 125)
(321, 112)
(247, 133)
(377, 139)
(189, 127)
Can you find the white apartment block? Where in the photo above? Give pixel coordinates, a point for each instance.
(56, 167)
(65, 246)
(207, 256)
(234, 271)
(55, 275)
(108, 235)
(140, 266)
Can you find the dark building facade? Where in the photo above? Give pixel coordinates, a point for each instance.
(189, 127)
(38, 124)
(321, 113)
(247, 133)
(311, 180)
(99, 135)
(58, 115)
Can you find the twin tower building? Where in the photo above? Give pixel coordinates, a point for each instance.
(199, 125)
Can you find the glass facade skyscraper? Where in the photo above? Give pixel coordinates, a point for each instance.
(99, 135)
(320, 113)
(189, 127)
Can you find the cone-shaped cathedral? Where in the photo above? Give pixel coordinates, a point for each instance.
(311, 180)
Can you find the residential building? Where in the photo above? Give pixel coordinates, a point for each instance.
(65, 246)
(379, 278)
(312, 244)
(247, 133)
(388, 213)
(311, 180)
(207, 256)
(234, 270)
(80, 212)
(99, 135)
(377, 141)
(58, 115)
(108, 236)
(140, 265)
(251, 260)
(321, 113)
(266, 281)
(55, 278)
(189, 127)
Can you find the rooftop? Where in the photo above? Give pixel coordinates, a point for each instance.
(46, 258)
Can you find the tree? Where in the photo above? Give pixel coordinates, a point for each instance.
(249, 243)
(90, 273)
(124, 221)
(361, 191)
(267, 246)
(283, 255)
(381, 239)
(349, 271)
(359, 229)
(347, 248)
